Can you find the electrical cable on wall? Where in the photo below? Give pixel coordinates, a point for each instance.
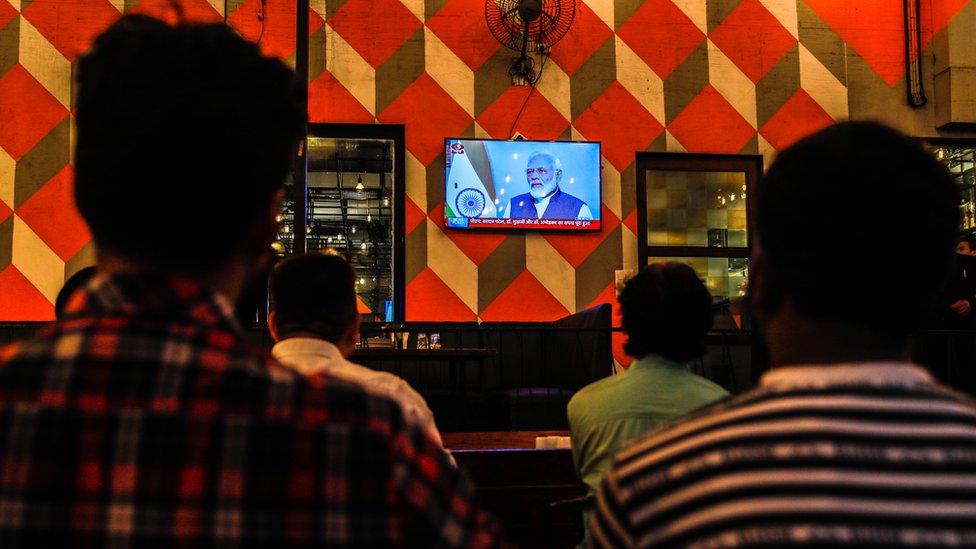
(528, 27)
(542, 68)
(262, 16)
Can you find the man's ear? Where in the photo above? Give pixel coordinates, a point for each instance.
(273, 326)
(350, 338)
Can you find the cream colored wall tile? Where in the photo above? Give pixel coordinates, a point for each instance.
(448, 262)
(611, 188)
(822, 86)
(551, 269)
(318, 6)
(603, 9)
(449, 71)
(732, 83)
(45, 63)
(349, 68)
(785, 12)
(36, 261)
(696, 10)
(480, 132)
(629, 242)
(672, 144)
(217, 5)
(416, 175)
(416, 7)
(767, 151)
(643, 83)
(7, 171)
(554, 85)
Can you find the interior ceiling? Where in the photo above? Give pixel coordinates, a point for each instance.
(350, 155)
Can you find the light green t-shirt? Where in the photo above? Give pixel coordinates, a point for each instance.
(607, 414)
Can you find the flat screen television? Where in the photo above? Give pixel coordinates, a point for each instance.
(516, 185)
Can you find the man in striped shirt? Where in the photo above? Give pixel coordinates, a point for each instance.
(845, 441)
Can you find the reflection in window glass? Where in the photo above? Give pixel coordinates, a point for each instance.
(693, 208)
(350, 212)
(725, 277)
(961, 162)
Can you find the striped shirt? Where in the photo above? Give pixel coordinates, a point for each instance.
(872, 454)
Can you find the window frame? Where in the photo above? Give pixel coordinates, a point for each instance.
(749, 164)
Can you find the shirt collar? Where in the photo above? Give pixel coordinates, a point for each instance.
(875, 374)
(295, 347)
(651, 361)
(152, 295)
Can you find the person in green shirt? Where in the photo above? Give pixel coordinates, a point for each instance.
(666, 311)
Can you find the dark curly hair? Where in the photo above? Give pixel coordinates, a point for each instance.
(185, 133)
(666, 311)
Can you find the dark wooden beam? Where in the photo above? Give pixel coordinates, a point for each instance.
(300, 173)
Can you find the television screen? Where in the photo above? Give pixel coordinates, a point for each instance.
(522, 185)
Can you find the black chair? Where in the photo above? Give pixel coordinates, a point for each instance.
(548, 366)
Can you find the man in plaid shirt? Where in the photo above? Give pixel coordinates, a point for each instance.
(143, 417)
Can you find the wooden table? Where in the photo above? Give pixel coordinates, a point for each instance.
(496, 440)
(517, 483)
(455, 359)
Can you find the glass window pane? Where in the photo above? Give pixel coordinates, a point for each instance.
(694, 208)
(961, 162)
(350, 212)
(725, 277)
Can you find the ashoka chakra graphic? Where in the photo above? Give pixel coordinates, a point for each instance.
(470, 202)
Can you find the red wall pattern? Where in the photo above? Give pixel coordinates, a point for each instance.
(747, 76)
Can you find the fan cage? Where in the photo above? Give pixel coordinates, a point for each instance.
(507, 26)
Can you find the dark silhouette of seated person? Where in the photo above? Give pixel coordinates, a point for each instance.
(845, 441)
(666, 312)
(145, 418)
(545, 199)
(315, 324)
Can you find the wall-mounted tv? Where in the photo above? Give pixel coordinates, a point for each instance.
(550, 185)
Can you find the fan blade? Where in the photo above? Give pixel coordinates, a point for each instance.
(551, 18)
(510, 12)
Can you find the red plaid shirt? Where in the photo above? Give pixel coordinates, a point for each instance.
(145, 418)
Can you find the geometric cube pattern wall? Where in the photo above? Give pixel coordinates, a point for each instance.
(747, 76)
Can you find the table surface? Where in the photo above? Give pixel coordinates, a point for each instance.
(496, 440)
(425, 354)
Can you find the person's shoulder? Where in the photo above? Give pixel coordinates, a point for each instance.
(390, 385)
(705, 386)
(571, 195)
(704, 419)
(596, 394)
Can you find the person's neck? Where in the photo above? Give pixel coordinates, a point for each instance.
(345, 348)
(798, 340)
(228, 280)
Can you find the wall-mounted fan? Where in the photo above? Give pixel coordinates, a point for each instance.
(528, 26)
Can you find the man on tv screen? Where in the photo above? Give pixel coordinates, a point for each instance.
(545, 200)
